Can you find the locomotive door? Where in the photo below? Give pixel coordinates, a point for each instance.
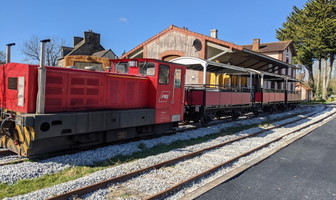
(170, 92)
(178, 95)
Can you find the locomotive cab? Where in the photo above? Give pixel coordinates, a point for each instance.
(166, 91)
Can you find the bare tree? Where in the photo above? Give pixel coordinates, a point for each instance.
(300, 72)
(2, 57)
(31, 49)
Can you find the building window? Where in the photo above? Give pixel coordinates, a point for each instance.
(170, 57)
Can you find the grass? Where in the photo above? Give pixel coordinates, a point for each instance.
(26, 186)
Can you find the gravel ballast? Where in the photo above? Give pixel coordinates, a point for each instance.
(29, 170)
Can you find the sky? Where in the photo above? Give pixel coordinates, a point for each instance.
(125, 24)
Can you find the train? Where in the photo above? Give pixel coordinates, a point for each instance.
(47, 109)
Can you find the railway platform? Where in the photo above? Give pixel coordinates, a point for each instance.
(306, 169)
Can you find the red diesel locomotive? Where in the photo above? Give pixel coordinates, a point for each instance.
(75, 108)
(83, 108)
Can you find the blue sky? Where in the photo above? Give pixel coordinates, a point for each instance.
(125, 24)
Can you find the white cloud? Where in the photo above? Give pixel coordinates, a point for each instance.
(123, 19)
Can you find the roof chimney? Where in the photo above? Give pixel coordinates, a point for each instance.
(77, 40)
(256, 44)
(213, 33)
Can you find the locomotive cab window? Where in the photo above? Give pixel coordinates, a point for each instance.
(177, 78)
(12, 83)
(147, 68)
(164, 74)
(121, 67)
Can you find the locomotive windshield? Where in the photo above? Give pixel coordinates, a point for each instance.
(147, 68)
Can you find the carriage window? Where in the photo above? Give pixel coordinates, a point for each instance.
(12, 83)
(121, 67)
(164, 74)
(177, 78)
(147, 68)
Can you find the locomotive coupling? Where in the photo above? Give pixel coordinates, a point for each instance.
(7, 129)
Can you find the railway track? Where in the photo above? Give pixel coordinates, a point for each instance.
(170, 166)
(7, 157)
(5, 152)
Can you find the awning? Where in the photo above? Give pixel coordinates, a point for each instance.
(210, 66)
(221, 68)
(245, 58)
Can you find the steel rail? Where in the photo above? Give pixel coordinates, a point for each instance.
(5, 152)
(14, 161)
(102, 184)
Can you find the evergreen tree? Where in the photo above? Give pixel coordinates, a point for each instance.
(313, 30)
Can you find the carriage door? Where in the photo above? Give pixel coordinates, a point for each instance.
(169, 103)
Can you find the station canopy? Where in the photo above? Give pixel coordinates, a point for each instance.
(242, 57)
(222, 68)
(210, 66)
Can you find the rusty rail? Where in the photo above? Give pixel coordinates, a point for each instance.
(5, 152)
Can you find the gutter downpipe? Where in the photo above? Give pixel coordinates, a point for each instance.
(40, 99)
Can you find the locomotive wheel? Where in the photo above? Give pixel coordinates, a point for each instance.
(234, 115)
(204, 121)
(196, 119)
(218, 116)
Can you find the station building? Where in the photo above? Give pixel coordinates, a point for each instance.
(176, 42)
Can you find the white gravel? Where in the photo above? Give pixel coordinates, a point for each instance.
(11, 173)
